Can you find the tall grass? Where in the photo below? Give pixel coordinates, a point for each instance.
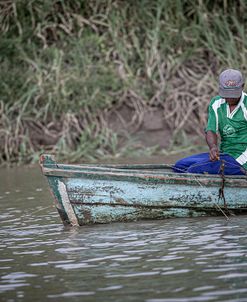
(66, 64)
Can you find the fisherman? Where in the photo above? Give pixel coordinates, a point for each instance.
(227, 116)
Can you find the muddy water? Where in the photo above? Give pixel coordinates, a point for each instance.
(156, 261)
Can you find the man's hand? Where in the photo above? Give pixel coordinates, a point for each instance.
(211, 139)
(214, 153)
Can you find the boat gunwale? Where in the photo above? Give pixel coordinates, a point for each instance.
(186, 179)
(48, 163)
(91, 168)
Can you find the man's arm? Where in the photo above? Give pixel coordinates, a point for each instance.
(211, 139)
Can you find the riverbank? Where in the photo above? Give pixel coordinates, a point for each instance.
(109, 79)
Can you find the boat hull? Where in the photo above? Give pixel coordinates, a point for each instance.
(92, 194)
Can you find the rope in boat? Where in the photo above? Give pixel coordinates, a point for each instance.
(221, 189)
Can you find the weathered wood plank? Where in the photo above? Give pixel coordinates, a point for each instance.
(159, 195)
(108, 213)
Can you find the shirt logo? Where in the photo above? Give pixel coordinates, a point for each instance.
(228, 130)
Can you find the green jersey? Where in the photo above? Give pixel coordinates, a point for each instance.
(232, 127)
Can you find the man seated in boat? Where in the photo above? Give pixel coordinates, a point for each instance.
(227, 116)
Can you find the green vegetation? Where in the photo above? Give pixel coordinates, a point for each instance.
(66, 64)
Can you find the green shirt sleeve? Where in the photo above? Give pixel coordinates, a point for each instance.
(211, 125)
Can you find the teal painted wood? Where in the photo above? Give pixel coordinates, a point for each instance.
(87, 194)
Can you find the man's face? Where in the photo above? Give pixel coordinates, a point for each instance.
(232, 101)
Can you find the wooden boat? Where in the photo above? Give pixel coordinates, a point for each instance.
(86, 194)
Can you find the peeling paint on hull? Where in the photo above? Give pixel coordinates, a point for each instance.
(91, 194)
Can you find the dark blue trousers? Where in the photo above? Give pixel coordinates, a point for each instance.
(200, 163)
